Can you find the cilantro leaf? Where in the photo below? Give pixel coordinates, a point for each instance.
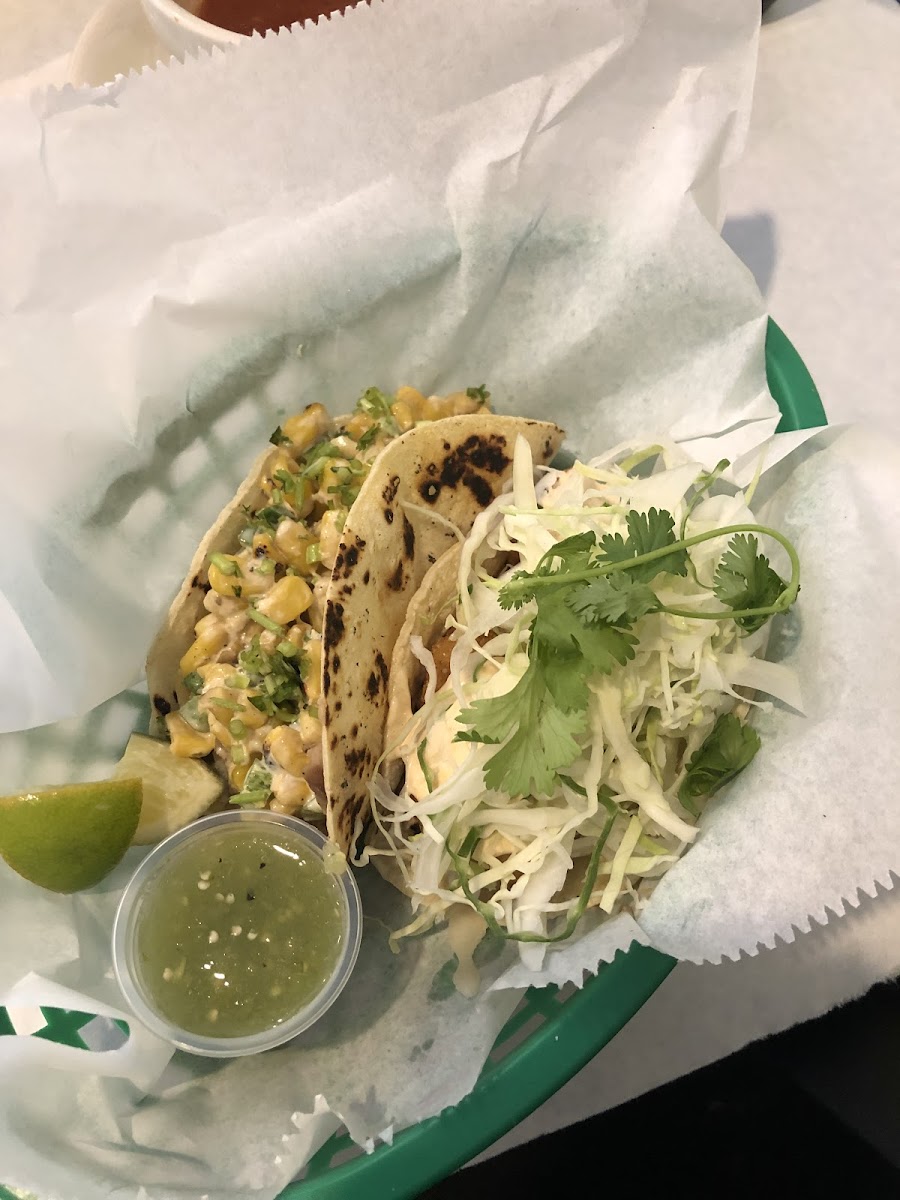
(366, 439)
(377, 405)
(279, 437)
(571, 554)
(613, 598)
(647, 532)
(543, 740)
(558, 631)
(725, 752)
(478, 393)
(744, 579)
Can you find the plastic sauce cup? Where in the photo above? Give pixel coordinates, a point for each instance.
(206, 938)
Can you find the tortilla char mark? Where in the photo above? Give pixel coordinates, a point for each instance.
(378, 677)
(409, 538)
(473, 463)
(348, 557)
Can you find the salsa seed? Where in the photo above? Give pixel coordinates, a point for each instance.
(235, 931)
(213, 1014)
(205, 874)
(229, 899)
(168, 974)
(213, 938)
(220, 896)
(203, 885)
(251, 936)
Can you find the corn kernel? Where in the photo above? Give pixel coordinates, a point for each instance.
(264, 546)
(313, 681)
(222, 584)
(290, 793)
(358, 424)
(281, 462)
(309, 728)
(185, 741)
(307, 427)
(344, 446)
(210, 621)
(209, 642)
(286, 747)
(334, 475)
(214, 674)
(458, 403)
(219, 729)
(293, 540)
(433, 409)
(250, 714)
(330, 535)
(287, 600)
(299, 634)
(237, 773)
(412, 397)
(403, 415)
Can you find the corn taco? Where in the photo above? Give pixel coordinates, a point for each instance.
(237, 675)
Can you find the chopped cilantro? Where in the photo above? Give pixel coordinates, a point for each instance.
(257, 787)
(225, 563)
(194, 682)
(367, 438)
(279, 437)
(376, 404)
(261, 619)
(478, 393)
(191, 713)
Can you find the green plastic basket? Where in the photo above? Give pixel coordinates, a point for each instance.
(551, 1035)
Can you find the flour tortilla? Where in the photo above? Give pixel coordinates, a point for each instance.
(424, 490)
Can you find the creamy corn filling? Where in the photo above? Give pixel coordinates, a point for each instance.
(253, 671)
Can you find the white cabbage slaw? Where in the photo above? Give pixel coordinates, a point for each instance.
(613, 822)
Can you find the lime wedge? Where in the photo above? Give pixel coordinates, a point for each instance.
(176, 790)
(68, 838)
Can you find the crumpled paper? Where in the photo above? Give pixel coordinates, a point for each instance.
(400, 196)
(416, 192)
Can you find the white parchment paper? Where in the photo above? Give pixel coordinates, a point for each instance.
(417, 192)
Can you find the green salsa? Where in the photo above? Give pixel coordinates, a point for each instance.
(238, 931)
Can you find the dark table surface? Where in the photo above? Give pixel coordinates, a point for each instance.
(812, 1112)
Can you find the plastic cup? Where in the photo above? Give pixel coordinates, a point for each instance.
(127, 922)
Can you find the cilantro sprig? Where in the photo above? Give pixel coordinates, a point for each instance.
(756, 596)
(588, 596)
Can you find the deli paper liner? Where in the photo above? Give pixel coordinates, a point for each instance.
(524, 195)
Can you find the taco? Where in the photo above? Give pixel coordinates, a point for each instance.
(569, 688)
(236, 674)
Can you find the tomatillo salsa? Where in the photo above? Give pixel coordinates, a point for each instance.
(239, 930)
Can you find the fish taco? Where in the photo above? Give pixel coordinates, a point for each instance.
(569, 688)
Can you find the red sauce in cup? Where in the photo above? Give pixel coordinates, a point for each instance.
(245, 16)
